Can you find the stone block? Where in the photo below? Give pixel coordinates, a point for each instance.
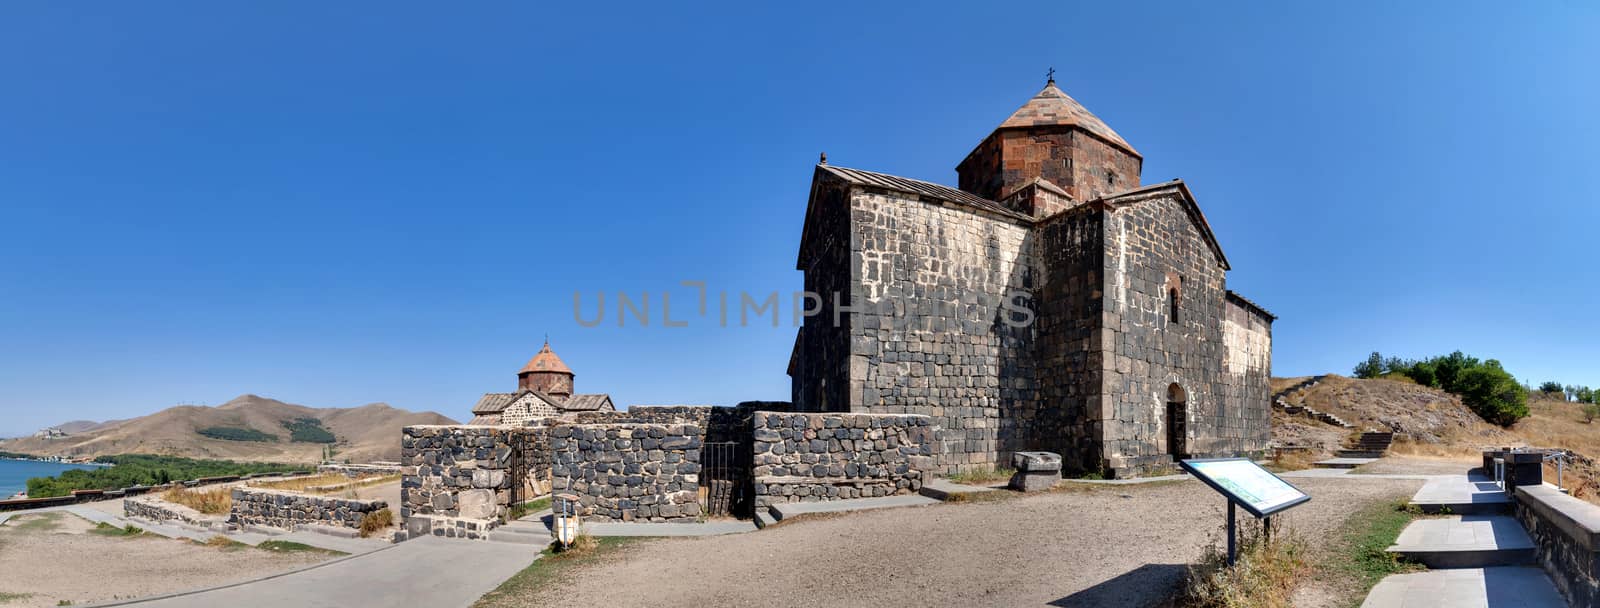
(1037, 462)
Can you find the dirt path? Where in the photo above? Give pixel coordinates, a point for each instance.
(53, 557)
(1110, 546)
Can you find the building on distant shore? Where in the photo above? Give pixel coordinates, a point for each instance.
(1050, 302)
(544, 390)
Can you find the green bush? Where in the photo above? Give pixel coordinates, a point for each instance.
(143, 469)
(1551, 387)
(1484, 386)
(236, 434)
(308, 430)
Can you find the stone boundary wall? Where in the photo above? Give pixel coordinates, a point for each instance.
(358, 470)
(461, 479)
(155, 509)
(629, 472)
(81, 496)
(280, 509)
(835, 456)
(1566, 534)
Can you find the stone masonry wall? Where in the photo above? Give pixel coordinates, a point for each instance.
(1246, 386)
(830, 456)
(629, 472)
(820, 369)
(1071, 343)
(152, 508)
(458, 479)
(1567, 545)
(1150, 248)
(279, 509)
(928, 334)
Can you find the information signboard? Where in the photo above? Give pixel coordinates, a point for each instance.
(1246, 483)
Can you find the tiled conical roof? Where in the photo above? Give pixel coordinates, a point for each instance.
(1052, 107)
(545, 361)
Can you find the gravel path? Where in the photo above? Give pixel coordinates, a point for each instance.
(1106, 546)
(52, 558)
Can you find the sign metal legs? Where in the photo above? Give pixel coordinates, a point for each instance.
(1232, 550)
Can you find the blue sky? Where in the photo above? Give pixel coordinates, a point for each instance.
(394, 201)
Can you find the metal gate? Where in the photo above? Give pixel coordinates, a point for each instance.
(724, 477)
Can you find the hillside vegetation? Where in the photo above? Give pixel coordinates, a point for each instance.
(1431, 422)
(248, 428)
(145, 470)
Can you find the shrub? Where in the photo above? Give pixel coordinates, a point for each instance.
(1551, 387)
(1264, 575)
(1492, 393)
(1590, 412)
(375, 521)
(229, 433)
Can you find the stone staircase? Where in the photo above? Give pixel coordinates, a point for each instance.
(522, 532)
(1371, 444)
(1484, 558)
(1279, 402)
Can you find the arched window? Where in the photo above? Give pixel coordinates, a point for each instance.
(1173, 301)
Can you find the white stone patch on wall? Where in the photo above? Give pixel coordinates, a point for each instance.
(1247, 349)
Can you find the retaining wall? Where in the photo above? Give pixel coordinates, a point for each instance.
(629, 472)
(835, 456)
(280, 509)
(465, 478)
(1566, 532)
(155, 509)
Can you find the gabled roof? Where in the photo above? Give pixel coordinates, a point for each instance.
(1053, 107)
(494, 403)
(588, 403)
(1155, 191)
(1251, 304)
(920, 188)
(545, 361)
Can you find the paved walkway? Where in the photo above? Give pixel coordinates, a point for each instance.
(1462, 494)
(1504, 587)
(707, 528)
(1470, 541)
(431, 572)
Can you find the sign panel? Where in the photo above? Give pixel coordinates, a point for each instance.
(1246, 483)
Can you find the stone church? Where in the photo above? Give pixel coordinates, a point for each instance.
(544, 390)
(1050, 302)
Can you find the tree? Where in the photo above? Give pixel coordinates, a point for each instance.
(1424, 373)
(1551, 387)
(1492, 393)
(1371, 368)
(1590, 412)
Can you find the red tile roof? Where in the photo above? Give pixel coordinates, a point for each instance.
(545, 361)
(1052, 107)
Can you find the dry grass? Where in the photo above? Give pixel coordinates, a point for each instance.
(315, 484)
(375, 521)
(1293, 460)
(983, 476)
(1403, 446)
(212, 501)
(1264, 576)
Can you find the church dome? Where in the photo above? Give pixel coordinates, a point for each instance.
(1053, 107)
(546, 361)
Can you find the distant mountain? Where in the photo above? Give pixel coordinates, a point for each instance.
(249, 427)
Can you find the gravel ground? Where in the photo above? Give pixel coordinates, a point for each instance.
(1418, 465)
(52, 558)
(1105, 546)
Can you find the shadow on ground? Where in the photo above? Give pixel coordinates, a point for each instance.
(1146, 585)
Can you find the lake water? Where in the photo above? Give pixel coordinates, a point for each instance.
(14, 474)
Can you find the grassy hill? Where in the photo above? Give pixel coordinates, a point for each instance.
(249, 427)
(1430, 422)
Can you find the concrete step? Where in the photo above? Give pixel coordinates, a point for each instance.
(944, 489)
(791, 509)
(1462, 495)
(764, 518)
(1358, 453)
(1465, 541)
(1342, 463)
(502, 536)
(1519, 586)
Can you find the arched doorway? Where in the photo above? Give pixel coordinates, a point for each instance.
(1177, 422)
